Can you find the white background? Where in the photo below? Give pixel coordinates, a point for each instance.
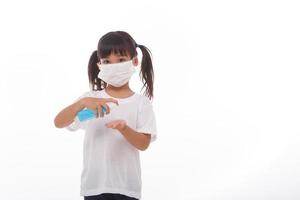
(226, 96)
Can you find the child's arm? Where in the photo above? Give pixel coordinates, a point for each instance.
(140, 140)
(67, 115)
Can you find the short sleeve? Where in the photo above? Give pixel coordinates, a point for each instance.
(76, 124)
(146, 121)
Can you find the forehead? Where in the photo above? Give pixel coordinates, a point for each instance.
(116, 55)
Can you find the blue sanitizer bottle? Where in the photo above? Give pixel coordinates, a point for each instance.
(87, 114)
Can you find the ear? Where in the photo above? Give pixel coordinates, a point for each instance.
(135, 61)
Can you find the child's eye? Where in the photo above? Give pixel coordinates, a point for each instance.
(122, 60)
(105, 61)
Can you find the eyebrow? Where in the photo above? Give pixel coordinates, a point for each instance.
(117, 55)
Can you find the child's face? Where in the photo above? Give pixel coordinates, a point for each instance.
(116, 58)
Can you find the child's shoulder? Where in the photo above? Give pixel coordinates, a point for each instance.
(143, 97)
(143, 100)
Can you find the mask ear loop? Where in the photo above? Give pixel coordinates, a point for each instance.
(98, 64)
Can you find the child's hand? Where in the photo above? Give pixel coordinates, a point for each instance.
(117, 124)
(96, 104)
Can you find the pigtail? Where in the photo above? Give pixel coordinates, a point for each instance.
(94, 82)
(146, 72)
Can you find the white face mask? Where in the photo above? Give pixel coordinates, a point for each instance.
(117, 74)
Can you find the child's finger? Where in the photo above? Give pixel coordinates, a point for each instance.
(97, 114)
(108, 125)
(106, 108)
(112, 100)
(100, 113)
(114, 125)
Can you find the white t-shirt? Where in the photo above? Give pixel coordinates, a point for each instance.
(110, 163)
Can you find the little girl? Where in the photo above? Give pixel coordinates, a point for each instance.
(124, 123)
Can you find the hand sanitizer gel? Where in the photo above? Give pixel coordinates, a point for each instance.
(87, 114)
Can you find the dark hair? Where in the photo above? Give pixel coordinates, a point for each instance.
(122, 43)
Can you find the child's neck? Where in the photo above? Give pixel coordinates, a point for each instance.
(119, 92)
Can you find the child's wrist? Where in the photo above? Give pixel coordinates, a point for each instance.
(123, 128)
(80, 104)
